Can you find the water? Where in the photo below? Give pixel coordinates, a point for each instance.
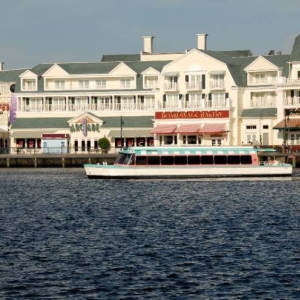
(64, 236)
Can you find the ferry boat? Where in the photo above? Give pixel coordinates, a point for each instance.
(189, 162)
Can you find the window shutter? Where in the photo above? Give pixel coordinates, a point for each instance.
(187, 78)
(186, 97)
(226, 95)
(209, 96)
(142, 99)
(203, 81)
(164, 98)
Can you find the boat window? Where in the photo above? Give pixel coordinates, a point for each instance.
(246, 159)
(129, 159)
(207, 160)
(120, 158)
(180, 160)
(234, 159)
(193, 159)
(153, 160)
(167, 160)
(220, 159)
(141, 160)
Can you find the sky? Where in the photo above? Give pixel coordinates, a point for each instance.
(56, 31)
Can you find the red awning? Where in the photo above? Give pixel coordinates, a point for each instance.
(164, 128)
(188, 128)
(213, 128)
(288, 124)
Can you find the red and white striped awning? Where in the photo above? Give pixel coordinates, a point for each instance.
(164, 128)
(188, 128)
(213, 128)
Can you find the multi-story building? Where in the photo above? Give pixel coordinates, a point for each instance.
(199, 97)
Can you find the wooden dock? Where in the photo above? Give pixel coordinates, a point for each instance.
(53, 160)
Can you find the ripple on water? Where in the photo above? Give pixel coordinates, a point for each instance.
(64, 236)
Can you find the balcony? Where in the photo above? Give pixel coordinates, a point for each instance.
(194, 86)
(288, 82)
(207, 104)
(263, 103)
(295, 101)
(171, 86)
(216, 85)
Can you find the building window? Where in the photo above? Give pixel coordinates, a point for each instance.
(29, 84)
(101, 84)
(126, 83)
(216, 142)
(191, 140)
(59, 84)
(83, 84)
(150, 82)
(265, 126)
(250, 126)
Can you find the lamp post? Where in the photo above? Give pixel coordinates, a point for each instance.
(121, 126)
(285, 138)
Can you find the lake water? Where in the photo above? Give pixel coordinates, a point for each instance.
(64, 236)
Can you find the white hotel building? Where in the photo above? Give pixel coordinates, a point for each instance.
(197, 97)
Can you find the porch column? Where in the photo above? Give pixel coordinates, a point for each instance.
(67, 103)
(113, 101)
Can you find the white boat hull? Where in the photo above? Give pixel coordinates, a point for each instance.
(147, 172)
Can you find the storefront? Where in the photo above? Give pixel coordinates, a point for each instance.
(192, 128)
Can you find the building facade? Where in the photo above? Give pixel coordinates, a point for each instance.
(197, 97)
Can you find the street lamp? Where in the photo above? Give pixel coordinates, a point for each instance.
(121, 125)
(285, 138)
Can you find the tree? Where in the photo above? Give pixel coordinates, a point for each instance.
(104, 144)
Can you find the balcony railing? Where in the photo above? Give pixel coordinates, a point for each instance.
(171, 86)
(295, 101)
(217, 85)
(262, 103)
(194, 86)
(288, 82)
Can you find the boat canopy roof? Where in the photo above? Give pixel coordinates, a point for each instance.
(194, 150)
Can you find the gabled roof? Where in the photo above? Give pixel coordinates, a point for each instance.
(295, 54)
(121, 57)
(10, 75)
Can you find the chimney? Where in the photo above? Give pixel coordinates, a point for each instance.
(201, 41)
(148, 44)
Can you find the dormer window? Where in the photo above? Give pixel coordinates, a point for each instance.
(262, 78)
(29, 84)
(150, 82)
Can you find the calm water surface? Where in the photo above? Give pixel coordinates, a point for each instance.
(64, 236)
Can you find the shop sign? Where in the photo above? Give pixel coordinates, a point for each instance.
(215, 114)
(87, 128)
